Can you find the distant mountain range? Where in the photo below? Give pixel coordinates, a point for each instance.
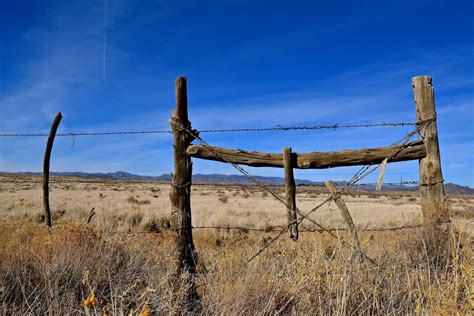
(450, 188)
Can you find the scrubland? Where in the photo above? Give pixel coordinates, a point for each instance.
(123, 255)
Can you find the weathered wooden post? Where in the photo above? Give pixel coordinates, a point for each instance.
(431, 177)
(290, 193)
(180, 194)
(46, 161)
(344, 210)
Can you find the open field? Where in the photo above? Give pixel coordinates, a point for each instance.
(127, 247)
(128, 206)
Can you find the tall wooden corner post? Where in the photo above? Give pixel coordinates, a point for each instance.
(431, 177)
(180, 194)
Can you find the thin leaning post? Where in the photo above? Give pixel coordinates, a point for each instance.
(431, 177)
(180, 194)
(344, 210)
(46, 162)
(290, 193)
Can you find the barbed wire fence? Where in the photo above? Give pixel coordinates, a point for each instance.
(362, 173)
(425, 150)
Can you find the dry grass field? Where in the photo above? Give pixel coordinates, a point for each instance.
(124, 255)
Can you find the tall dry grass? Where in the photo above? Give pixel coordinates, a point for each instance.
(123, 256)
(54, 271)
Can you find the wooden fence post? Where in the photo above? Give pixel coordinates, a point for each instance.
(431, 177)
(344, 210)
(46, 161)
(290, 193)
(180, 194)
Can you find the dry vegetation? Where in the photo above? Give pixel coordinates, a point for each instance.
(123, 256)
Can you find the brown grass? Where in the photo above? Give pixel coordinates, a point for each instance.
(124, 256)
(43, 271)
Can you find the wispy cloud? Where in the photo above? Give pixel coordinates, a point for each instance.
(68, 63)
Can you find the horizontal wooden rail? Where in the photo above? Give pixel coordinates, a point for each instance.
(314, 160)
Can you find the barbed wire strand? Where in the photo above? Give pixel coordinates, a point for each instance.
(305, 230)
(265, 129)
(316, 230)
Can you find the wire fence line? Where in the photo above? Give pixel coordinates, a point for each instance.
(363, 172)
(265, 129)
(360, 174)
(180, 126)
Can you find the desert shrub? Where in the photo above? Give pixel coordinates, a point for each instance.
(223, 198)
(58, 214)
(40, 218)
(133, 200)
(155, 190)
(466, 212)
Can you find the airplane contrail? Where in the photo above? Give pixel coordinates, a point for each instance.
(105, 38)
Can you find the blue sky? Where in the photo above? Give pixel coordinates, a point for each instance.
(248, 64)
